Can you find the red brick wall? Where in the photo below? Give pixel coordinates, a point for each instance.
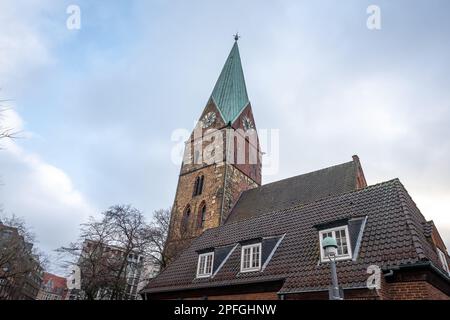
(247, 296)
(415, 290)
(354, 294)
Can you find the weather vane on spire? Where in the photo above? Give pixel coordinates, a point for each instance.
(236, 36)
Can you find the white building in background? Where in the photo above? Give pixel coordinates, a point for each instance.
(138, 271)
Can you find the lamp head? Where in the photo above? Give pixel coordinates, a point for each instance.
(329, 245)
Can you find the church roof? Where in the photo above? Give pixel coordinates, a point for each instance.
(391, 237)
(300, 189)
(230, 92)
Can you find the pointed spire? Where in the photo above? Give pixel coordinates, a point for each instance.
(230, 92)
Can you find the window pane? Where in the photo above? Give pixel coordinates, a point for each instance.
(246, 257)
(345, 250)
(327, 234)
(255, 257)
(208, 264)
(341, 242)
(202, 265)
(251, 257)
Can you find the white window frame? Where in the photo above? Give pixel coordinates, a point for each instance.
(347, 256)
(443, 260)
(203, 273)
(252, 248)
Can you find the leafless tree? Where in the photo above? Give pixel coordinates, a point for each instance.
(158, 233)
(87, 254)
(5, 131)
(131, 234)
(19, 257)
(109, 251)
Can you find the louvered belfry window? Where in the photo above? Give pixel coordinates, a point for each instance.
(198, 186)
(202, 216)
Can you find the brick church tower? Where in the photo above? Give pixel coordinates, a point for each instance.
(222, 159)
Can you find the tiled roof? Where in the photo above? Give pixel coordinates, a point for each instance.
(393, 236)
(230, 92)
(301, 189)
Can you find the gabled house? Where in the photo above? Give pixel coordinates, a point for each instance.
(230, 237)
(277, 254)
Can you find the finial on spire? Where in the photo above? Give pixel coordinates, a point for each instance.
(236, 36)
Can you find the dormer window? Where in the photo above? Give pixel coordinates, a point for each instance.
(205, 265)
(341, 234)
(251, 258)
(443, 259)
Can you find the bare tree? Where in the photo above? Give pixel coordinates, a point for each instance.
(5, 131)
(21, 263)
(158, 233)
(88, 254)
(111, 253)
(131, 234)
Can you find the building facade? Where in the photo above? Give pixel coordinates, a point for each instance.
(108, 262)
(258, 241)
(53, 288)
(21, 273)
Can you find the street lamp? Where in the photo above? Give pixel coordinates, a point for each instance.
(329, 246)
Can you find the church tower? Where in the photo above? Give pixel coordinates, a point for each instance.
(222, 159)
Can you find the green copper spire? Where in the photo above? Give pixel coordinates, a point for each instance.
(230, 93)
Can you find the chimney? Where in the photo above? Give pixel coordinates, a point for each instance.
(360, 178)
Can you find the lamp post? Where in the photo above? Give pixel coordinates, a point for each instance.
(329, 245)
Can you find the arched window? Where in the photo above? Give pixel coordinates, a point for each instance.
(198, 186)
(185, 219)
(201, 215)
(197, 181)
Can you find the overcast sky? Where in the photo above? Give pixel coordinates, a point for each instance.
(98, 105)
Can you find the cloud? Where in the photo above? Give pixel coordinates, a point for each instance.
(40, 192)
(31, 187)
(24, 48)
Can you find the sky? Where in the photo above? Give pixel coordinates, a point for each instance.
(97, 106)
